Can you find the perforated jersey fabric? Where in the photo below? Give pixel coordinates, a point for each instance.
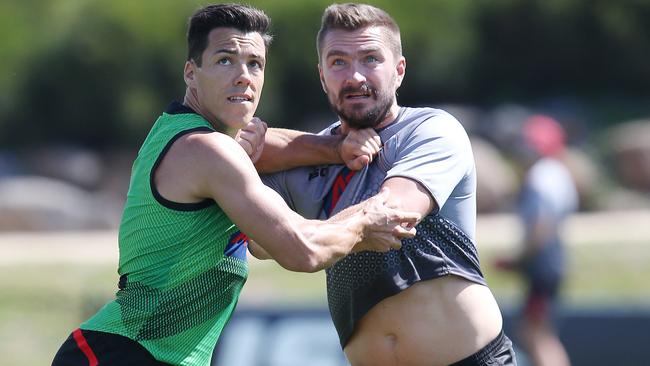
(181, 266)
(428, 146)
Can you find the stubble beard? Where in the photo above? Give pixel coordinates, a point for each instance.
(356, 115)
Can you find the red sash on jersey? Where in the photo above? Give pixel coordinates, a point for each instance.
(341, 181)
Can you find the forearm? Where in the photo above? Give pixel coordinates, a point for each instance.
(304, 245)
(368, 225)
(285, 149)
(296, 243)
(331, 240)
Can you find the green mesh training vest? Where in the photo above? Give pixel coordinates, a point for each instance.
(182, 266)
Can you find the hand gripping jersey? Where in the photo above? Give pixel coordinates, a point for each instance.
(428, 146)
(182, 266)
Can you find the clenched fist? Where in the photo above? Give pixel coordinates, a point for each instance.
(359, 147)
(251, 138)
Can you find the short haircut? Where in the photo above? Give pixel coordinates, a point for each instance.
(353, 17)
(241, 17)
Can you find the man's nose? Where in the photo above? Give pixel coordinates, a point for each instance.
(356, 75)
(243, 76)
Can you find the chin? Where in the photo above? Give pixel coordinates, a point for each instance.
(236, 120)
(237, 124)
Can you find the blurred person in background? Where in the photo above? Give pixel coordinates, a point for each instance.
(428, 303)
(548, 196)
(182, 260)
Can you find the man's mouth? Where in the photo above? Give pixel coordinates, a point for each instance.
(362, 92)
(240, 98)
(357, 95)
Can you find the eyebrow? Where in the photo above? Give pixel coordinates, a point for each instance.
(364, 51)
(232, 51)
(336, 53)
(368, 50)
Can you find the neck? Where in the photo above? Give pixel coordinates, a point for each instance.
(192, 101)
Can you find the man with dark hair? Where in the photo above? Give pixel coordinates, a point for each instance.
(194, 193)
(426, 303)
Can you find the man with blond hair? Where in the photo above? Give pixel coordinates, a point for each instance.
(427, 303)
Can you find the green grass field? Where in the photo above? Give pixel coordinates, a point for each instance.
(41, 303)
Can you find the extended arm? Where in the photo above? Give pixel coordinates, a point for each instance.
(285, 149)
(219, 169)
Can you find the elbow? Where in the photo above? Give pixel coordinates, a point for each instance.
(260, 256)
(257, 251)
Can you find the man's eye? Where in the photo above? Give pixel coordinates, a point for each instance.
(371, 59)
(224, 61)
(255, 64)
(338, 62)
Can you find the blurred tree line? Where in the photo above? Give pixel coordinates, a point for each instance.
(96, 73)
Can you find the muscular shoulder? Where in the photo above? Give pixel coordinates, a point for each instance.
(204, 158)
(208, 150)
(429, 130)
(206, 144)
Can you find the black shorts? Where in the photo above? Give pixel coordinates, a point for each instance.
(499, 352)
(91, 348)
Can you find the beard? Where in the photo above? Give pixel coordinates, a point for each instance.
(357, 115)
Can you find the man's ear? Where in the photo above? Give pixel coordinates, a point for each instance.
(188, 73)
(322, 80)
(401, 70)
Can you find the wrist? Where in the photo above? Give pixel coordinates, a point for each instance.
(360, 223)
(338, 148)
